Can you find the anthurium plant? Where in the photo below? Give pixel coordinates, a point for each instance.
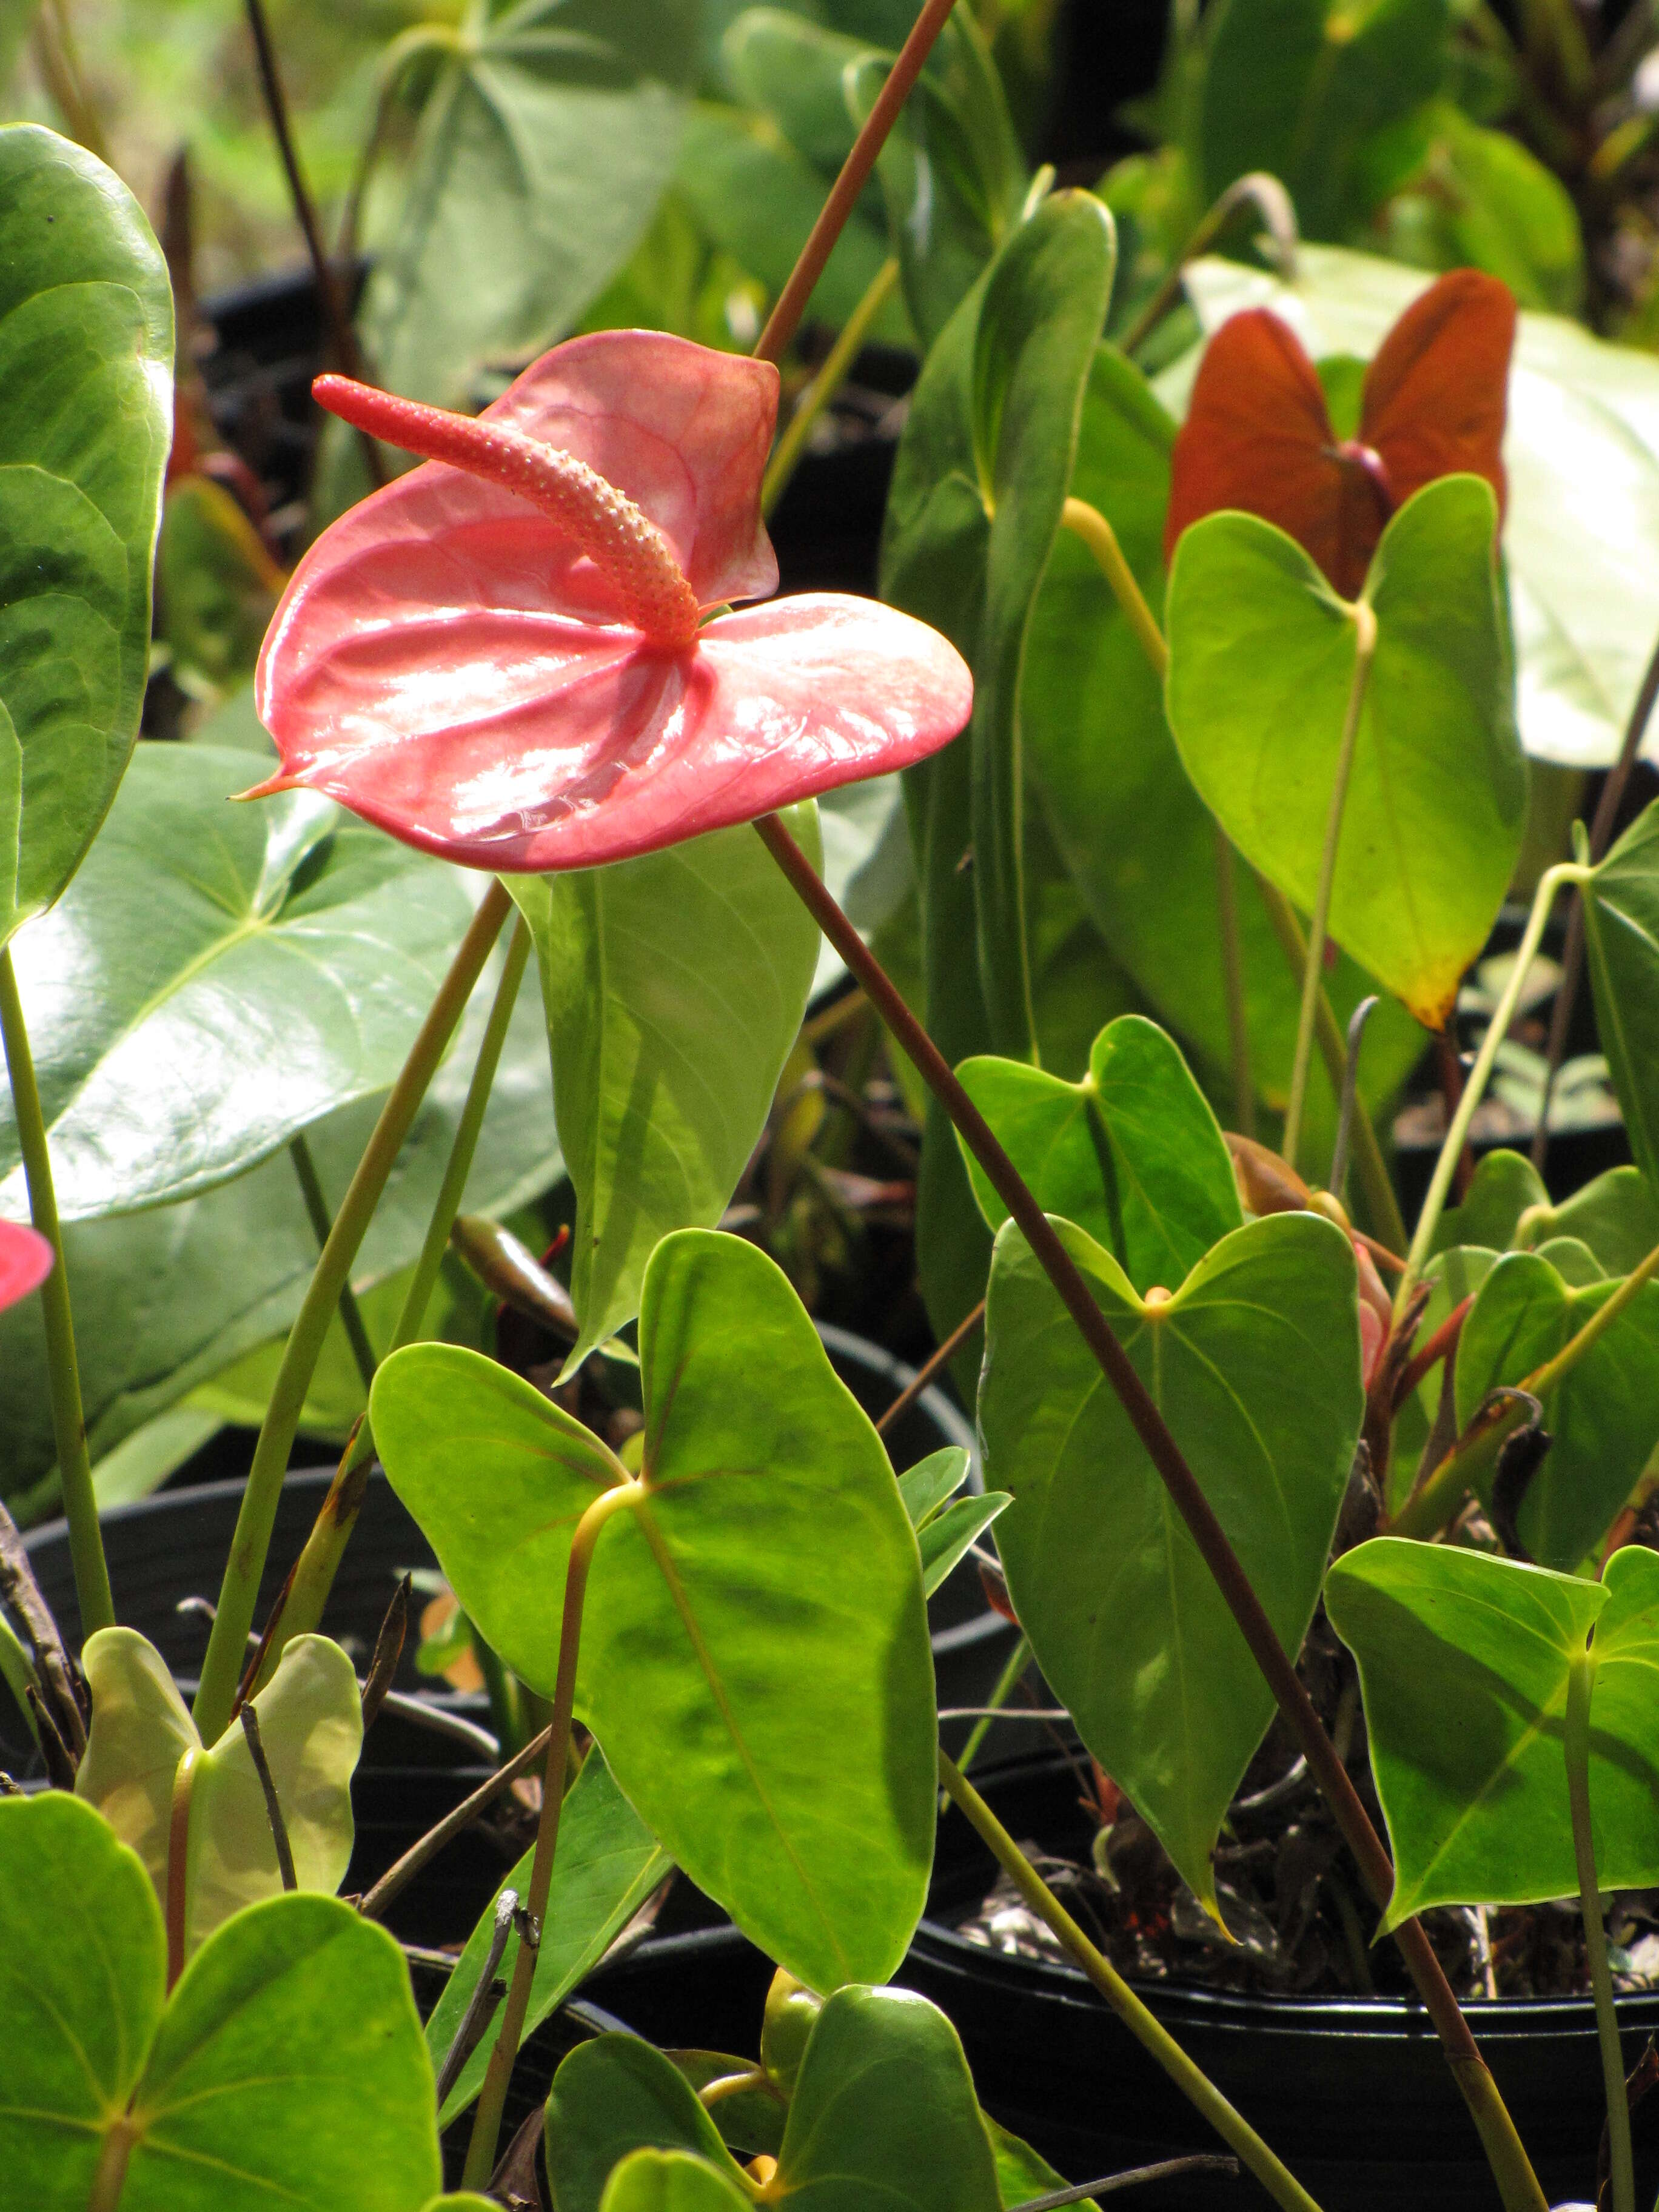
(1206, 733)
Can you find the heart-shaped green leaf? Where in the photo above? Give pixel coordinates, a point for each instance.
(883, 2111)
(311, 1726)
(1132, 1154)
(1138, 840)
(286, 2065)
(1603, 1414)
(983, 472)
(674, 987)
(1261, 662)
(614, 2096)
(1621, 941)
(1255, 1363)
(85, 368)
(1506, 1185)
(1581, 535)
(670, 2181)
(167, 1299)
(550, 130)
(754, 1655)
(218, 978)
(951, 171)
(608, 1864)
(1463, 1660)
(1617, 1215)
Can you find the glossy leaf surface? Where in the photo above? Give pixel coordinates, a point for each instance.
(550, 128)
(216, 979)
(1138, 840)
(1261, 659)
(674, 986)
(167, 1299)
(288, 2057)
(1621, 943)
(311, 1726)
(1132, 1154)
(502, 711)
(1603, 1415)
(1463, 1659)
(1255, 1363)
(764, 1704)
(85, 368)
(608, 1864)
(1505, 1186)
(1581, 535)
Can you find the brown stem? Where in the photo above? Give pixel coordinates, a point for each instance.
(256, 1751)
(397, 1877)
(1573, 955)
(1178, 1479)
(1433, 1352)
(343, 339)
(925, 1373)
(785, 318)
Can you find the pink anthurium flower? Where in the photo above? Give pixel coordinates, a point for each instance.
(506, 656)
(25, 1262)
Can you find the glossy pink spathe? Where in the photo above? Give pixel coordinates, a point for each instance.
(25, 1262)
(448, 662)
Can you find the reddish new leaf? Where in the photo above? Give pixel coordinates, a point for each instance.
(1258, 435)
(494, 659)
(25, 1262)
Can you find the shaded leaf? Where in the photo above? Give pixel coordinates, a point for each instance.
(1603, 1415)
(1255, 1363)
(675, 986)
(608, 1864)
(1621, 943)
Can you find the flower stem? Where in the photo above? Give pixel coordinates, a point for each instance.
(322, 1226)
(300, 1608)
(1280, 2184)
(826, 384)
(1380, 1204)
(68, 1425)
(785, 318)
(1566, 872)
(1576, 1743)
(1018, 1660)
(1520, 2191)
(487, 2120)
(1313, 969)
(222, 1666)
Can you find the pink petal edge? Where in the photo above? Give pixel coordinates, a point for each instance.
(25, 1262)
(531, 744)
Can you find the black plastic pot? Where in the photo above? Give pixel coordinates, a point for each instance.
(1353, 2093)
